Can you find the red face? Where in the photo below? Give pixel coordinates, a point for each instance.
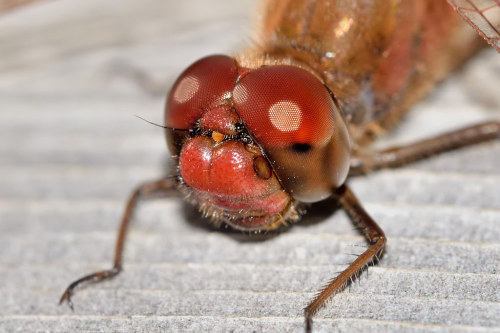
(253, 142)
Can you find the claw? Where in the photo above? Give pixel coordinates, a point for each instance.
(308, 328)
(67, 297)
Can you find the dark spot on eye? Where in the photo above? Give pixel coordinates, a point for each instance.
(301, 147)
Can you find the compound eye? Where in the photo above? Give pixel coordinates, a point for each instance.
(204, 85)
(293, 117)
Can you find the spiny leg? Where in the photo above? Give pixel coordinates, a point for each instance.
(146, 189)
(398, 156)
(376, 240)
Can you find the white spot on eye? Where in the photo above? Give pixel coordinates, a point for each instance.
(285, 116)
(186, 89)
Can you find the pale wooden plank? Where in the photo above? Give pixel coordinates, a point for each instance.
(72, 76)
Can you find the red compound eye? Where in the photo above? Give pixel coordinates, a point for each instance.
(204, 85)
(292, 116)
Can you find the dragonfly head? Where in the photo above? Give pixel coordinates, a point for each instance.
(253, 142)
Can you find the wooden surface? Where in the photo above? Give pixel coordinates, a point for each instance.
(72, 76)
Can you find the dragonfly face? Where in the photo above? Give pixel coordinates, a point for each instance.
(253, 142)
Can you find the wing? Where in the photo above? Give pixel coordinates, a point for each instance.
(482, 15)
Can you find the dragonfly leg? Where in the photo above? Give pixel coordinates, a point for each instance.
(144, 190)
(376, 239)
(398, 156)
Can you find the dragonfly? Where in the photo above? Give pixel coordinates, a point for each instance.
(285, 123)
